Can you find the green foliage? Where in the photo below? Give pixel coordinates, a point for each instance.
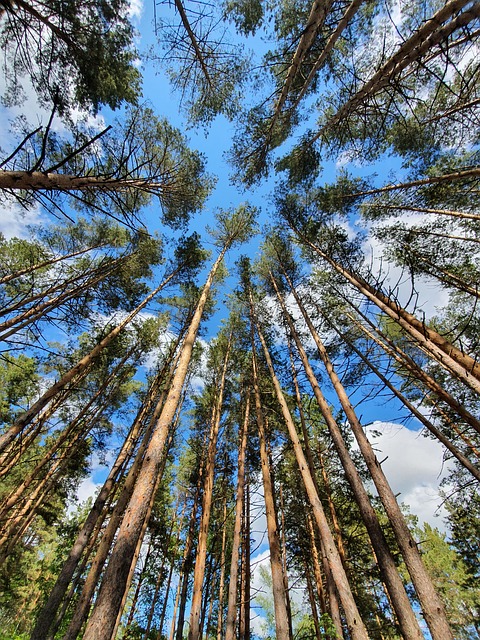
(246, 14)
(19, 381)
(78, 54)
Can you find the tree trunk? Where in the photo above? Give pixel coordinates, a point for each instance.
(279, 596)
(418, 414)
(194, 632)
(102, 620)
(48, 612)
(354, 621)
(423, 40)
(239, 506)
(388, 569)
(431, 604)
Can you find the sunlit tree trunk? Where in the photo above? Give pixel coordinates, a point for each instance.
(199, 572)
(403, 609)
(279, 598)
(354, 621)
(102, 620)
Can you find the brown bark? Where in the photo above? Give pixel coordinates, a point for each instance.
(279, 597)
(244, 609)
(440, 212)
(418, 374)
(193, 39)
(318, 13)
(78, 369)
(339, 29)
(221, 586)
(462, 174)
(37, 180)
(355, 624)
(420, 416)
(432, 606)
(461, 365)
(109, 599)
(388, 569)
(48, 612)
(194, 632)
(239, 506)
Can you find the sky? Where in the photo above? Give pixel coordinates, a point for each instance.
(413, 464)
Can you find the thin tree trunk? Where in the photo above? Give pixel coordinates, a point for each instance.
(47, 263)
(244, 612)
(239, 507)
(388, 569)
(222, 573)
(418, 374)
(354, 621)
(194, 632)
(431, 604)
(440, 212)
(419, 415)
(279, 597)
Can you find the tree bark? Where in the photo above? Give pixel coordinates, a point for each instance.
(239, 507)
(354, 621)
(102, 620)
(432, 606)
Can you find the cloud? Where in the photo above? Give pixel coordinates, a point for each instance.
(414, 467)
(14, 220)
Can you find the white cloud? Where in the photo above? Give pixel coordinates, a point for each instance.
(414, 467)
(135, 10)
(14, 220)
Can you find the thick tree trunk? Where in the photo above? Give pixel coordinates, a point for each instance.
(430, 34)
(48, 612)
(102, 620)
(339, 29)
(37, 180)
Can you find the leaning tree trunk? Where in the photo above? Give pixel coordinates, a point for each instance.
(387, 566)
(461, 365)
(354, 621)
(432, 606)
(108, 603)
